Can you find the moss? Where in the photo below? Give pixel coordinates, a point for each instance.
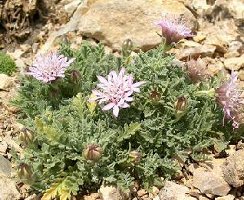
(7, 65)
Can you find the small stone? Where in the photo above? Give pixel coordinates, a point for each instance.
(141, 192)
(174, 191)
(112, 193)
(8, 189)
(199, 37)
(234, 63)
(241, 75)
(92, 196)
(233, 169)
(5, 167)
(231, 149)
(5, 82)
(210, 182)
(203, 198)
(228, 197)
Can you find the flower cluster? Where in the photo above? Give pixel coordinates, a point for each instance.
(229, 97)
(174, 28)
(48, 67)
(116, 91)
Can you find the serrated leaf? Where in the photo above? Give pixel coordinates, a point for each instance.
(51, 193)
(129, 131)
(64, 194)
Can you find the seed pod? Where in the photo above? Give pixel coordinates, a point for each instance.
(93, 152)
(135, 157)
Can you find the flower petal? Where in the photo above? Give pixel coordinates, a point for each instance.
(108, 106)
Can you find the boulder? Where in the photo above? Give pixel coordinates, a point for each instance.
(113, 21)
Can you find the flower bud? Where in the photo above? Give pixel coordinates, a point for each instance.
(127, 47)
(181, 104)
(75, 76)
(155, 95)
(26, 136)
(24, 172)
(180, 107)
(93, 152)
(135, 157)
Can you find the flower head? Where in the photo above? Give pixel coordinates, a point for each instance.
(229, 97)
(116, 91)
(48, 67)
(197, 70)
(174, 28)
(93, 152)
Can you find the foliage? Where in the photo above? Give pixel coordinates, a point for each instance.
(7, 65)
(155, 125)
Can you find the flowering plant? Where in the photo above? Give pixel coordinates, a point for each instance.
(76, 146)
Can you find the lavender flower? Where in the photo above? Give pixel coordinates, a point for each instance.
(48, 67)
(229, 97)
(116, 91)
(174, 28)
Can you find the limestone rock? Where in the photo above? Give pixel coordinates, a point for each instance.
(112, 193)
(5, 167)
(234, 63)
(174, 191)
(72, 6)
(228, 197)
(233, 169)
(8, 189)
(5, 82)
(210, 182)
(113, 21)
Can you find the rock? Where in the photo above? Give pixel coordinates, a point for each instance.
(141, 192)
(235, 49)
(8, 189)
(71, 7)
(5, 167)
(210, 182)
(228, 197)
(174, 191)
(234, 63)
(218, 41)
(113, 21)
(233, 169)
(3, 147)
(92, 196)
(112, 193)
(203, 198)
(195, 52)
(5, 82)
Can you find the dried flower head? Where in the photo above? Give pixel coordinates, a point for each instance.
(116, 91)
(174, 28)
(48, 67)
(135, 157)
(229, 97)
(197, 70)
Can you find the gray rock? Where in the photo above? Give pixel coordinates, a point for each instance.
(210, 182)
(8, 189)
(5, 167)
(173, 191)
(233, 169)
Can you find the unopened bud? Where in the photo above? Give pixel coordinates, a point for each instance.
(127, 47)
(93, 152)
(26, 136)
(75, 76)
(155, 95)
(180, 104)
(135, 157)
(24, 172)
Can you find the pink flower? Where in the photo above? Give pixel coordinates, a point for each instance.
(174, 28)
(116, 91)
(48, 67)
(229, 97)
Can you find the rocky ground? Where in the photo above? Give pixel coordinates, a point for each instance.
(40, 25)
